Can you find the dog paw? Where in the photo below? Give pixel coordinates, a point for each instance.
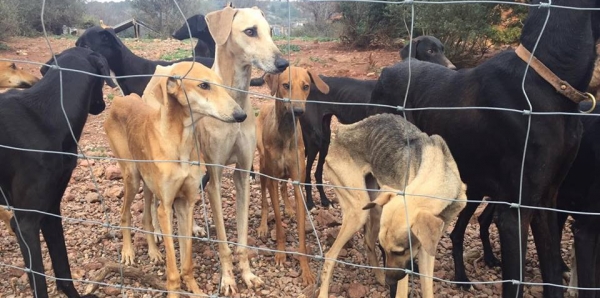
(155, 256)
(228, 286)
(464, 284)
(492, 262)
(127, 256)
(572, 293)
(251, 280)
(198, 231)
(280, 259)
(308, 278)
(262, 231)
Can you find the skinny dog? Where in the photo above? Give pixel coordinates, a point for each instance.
(13, 77)
(381, 151)
(281, 153)
(141, 131)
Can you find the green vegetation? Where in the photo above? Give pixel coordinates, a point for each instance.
(286, 50)
(177, 54)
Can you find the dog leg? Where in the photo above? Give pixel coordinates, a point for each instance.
(458, 237)
(28, 234)
(5, 216)
(153, 252)
(165, 214)
(545, 233)
(263, 229)
(585, 247)
(325, 202)
(402, 290)
(131, 181)
(508, 228)
(371, 232)
(311, 155)
(214, 194)
(289, 210)
(157, 232)
(280, 257)
(242, 186)
(341, 172)
(184, 208)
(308, 278)
(485, 221)
(427, 263)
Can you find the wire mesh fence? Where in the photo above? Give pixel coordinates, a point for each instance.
(106, 244)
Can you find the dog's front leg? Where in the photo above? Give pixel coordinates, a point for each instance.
(426, 264)
(165, 214)
(242, 186)
(214, 194)
(308, 277)
(402, 290)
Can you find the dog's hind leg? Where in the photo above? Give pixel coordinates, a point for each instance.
(214, 194)
(165, 215)
(402, 288)
(147, 218)
(485, 221)
(311, 151)
(131, 181)
(242, 186)
(585, 251)
(341, 171)
(547, 244)
(458, 237)
(308, 277)
(325, 202)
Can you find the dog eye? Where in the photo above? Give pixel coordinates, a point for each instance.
(286, 86)
(398, 253)
(305, 87)
(430, 51)
(204, 86)
(250, 32)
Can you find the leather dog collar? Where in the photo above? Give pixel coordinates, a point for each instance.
(562, 87)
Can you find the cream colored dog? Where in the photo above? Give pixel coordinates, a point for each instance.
(375, 152)
(164, 131)
(13, 77)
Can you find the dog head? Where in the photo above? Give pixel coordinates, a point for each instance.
(102, 41)
(416, 220)
(13, 77)
(205, 98)
(245, 33)
(427, 48)
(88, 61)
(294, 83)
(197, 25)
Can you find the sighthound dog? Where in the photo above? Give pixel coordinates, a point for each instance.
(281, 153)
(13, 77)
(242, 40)
(375, 152)
(140, 131)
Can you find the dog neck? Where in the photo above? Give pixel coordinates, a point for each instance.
(234, 72)
(285, 119)
(175, 124)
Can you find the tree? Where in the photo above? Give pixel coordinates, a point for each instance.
(162, 15)
(320, 11)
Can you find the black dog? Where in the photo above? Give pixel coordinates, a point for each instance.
(317, 118)
(33, 119)
(488, 145)
(123, 62)
(205, 47)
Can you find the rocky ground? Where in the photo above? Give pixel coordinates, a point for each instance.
(99, 199)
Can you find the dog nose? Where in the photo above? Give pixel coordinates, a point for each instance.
(298, 111)
(281, 64)
(239, 116)
(392, 279)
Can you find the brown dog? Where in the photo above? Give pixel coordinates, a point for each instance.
(281, 153)
(140, 131)
(5, 216)
(13, 77)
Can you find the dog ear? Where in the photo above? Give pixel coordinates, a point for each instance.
(273, 82)
(428, 228)
(405, 51)
(200, 23)
(261, 12)
(170, 88)
(102, 67)
(384, 197)
(324, 88)
(219, 24)
(110, 37)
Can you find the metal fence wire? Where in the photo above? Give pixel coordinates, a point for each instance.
(107, 225)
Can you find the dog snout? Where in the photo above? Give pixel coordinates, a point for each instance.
(24, 85)
(239, 115)
(281, 64)
(298, 111)
(452, 66)
(392, 277)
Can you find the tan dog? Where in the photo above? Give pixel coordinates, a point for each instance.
(13, 77)
(281, 153)
(374, 152)
(5, 216)
(242, 40)
(140, 131)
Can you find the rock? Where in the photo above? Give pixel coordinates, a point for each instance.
(112, 291)
(87, 162)
(356, 290)
(92, 197)
(114, 192)
(293, 273)
(371, 74)
(324, 218)
(113, 173)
